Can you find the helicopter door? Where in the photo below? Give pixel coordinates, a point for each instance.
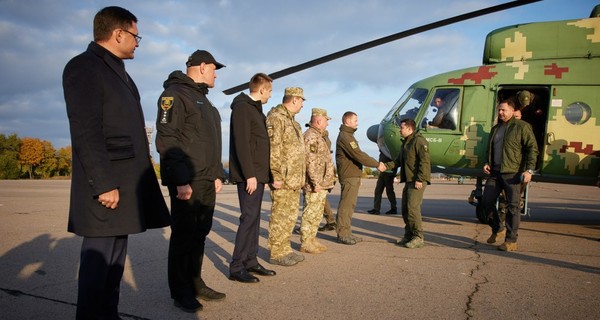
(532, 104)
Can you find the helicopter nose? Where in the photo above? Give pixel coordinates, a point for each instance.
(372, 133)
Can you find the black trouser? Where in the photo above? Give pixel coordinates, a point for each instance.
(192, 221)
(511, 184)
(246, 239)
(100, 272)
(385, 180)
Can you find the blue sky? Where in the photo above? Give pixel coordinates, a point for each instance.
(39, 36)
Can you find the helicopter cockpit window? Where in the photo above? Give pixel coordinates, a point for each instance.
(408, 106)
(442, 111)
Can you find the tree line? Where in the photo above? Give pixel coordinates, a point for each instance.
(33, 158)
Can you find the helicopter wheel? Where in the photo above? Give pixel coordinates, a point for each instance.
(481, 215)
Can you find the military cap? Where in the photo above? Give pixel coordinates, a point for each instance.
(524, 98)
(320, 112)
(294, 91)
(200, 56)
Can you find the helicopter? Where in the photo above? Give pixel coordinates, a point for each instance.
(552, 65)
(550, 69)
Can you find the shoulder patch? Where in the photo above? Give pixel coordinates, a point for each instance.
(353, 144)
(166, 103)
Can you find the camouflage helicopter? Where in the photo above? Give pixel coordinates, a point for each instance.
(549, 68)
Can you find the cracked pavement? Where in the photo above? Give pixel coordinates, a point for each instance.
(554, 275)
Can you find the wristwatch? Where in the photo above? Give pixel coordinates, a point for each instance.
(530, 171)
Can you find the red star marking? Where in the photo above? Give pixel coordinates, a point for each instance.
(578, 148)
(555, 70)
(482, 74)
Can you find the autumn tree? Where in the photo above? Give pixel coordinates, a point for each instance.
(63, 157)
(49, 165)
(31, 154)
(9, 157)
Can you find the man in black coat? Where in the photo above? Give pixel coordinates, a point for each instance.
(249, 168)
(189, 141)
(114, 190)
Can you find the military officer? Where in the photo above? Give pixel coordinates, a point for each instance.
(288, 169)
(320, 179)
(349, 160)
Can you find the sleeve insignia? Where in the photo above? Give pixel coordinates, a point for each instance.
(165, 104)
(313, 148)
(353, 144)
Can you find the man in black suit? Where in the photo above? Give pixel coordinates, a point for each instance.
(114, 190)
(249, 168)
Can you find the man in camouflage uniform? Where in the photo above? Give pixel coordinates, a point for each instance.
(288, 169)
(350, 159)
(327, 212)
(319, 180)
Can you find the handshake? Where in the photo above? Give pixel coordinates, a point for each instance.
(381, 167)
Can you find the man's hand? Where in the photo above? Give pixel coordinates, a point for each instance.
(486, 168)
(251, 184)
(184, 192)
(218, 185)
(418, 185)
(381, 167)
(109, 199)
(277, 184)
(526, 176)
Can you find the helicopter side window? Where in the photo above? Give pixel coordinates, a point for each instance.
(410, 104)
(443, 110)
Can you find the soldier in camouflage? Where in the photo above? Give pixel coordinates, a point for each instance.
(288, 169)
(320, 179)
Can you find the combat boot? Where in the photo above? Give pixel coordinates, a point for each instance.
(415, 242)
(494, 237)
(312, 246)
(508, 246)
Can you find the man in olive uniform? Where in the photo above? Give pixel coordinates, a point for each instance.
(327, 212)
(511, 158)
(350, 160)
(288, 170)
(320, 179)
(415, 172)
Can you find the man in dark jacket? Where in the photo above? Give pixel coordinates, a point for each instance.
(349, 161)
(415, 172)
(249, 169)
(189, 141)
(511, 158)
(385, 180)
(114, 191)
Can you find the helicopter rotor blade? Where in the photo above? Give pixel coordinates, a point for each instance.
(384, 40)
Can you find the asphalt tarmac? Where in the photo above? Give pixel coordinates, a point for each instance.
(555, 274)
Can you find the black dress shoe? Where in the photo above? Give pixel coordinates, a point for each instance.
(206, 293)
(392, 211)
(188, 304)
(373, 211)
(260, 270)
(242, 276)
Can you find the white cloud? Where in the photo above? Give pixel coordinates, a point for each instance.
(248, 38)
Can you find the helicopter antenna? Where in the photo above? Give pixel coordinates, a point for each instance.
(384, 40)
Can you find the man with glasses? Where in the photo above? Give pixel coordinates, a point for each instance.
(114, 191)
